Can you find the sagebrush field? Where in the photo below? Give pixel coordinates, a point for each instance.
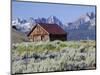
(53, 56)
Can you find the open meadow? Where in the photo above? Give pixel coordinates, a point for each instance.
(53, 56)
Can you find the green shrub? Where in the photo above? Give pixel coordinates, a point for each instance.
(67, 55)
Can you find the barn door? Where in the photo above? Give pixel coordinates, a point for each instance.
(42, 37)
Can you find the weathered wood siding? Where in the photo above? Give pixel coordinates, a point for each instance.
(39, 34)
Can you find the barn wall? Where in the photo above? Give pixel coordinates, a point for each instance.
(39, 34)
(58, 37)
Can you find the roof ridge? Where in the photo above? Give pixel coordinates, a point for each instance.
(50, 28)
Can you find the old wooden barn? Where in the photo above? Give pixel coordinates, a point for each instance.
(47, 32)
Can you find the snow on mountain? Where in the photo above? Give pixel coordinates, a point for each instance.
(26, 25)
(82, 28)
(85, 21)
(23, 25)
(55, 20)
(15, 21)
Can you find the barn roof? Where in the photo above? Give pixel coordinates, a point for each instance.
(50, 28)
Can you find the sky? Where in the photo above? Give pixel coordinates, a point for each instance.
(64, 12)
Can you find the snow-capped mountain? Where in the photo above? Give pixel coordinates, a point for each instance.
(55, 20)
(86, 21)
(26, 25)
(23, 25)
(82, 28)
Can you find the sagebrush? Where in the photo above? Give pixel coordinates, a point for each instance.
(53, 56)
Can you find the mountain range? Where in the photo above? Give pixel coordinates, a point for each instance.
(82, 28)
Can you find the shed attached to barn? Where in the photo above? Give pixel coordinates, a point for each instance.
(47, 32)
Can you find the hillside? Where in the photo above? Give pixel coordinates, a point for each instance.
(17, 37)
